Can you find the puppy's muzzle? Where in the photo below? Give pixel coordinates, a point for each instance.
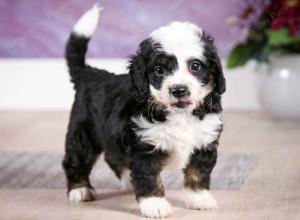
(179, 91)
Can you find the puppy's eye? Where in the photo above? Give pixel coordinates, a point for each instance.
(159, 70)
(194, 66)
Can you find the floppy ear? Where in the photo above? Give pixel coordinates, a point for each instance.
(137, 71)
(214, 63)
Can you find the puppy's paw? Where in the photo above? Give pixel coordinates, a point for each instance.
(200, 199)
(155, 207)
(82, 194)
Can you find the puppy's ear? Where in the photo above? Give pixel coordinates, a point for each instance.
(137, 71)
(214, 63)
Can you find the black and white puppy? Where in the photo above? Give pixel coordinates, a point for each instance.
(164, 114)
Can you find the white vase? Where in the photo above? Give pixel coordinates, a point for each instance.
(279, 89)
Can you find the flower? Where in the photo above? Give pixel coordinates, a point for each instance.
(249, 11)
(285, 13)
(270, 29)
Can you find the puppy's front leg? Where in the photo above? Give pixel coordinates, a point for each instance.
(197, 179)
(149, 190)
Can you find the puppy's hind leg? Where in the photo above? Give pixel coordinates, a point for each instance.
(81, 153)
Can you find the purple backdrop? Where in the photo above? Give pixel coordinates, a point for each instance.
(40, 28)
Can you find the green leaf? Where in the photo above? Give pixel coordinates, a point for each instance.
(242, 53)
(281, 37)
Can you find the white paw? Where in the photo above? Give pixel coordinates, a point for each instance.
(125, 181)
(155, 207)
(200, 199)
(82, 194)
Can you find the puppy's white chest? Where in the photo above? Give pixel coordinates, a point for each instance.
(180, 134)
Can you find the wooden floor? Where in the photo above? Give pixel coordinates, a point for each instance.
(271, 191)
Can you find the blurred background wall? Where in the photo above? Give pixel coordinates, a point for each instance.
(40, 28)
(33, 35)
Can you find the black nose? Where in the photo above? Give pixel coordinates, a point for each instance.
(179, 91)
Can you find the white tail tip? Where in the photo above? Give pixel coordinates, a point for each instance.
(87, 24)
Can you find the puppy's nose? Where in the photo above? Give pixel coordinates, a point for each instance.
(179, 91)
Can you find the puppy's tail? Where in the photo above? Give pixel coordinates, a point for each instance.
(78, 41)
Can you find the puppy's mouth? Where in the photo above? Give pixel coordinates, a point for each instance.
(181, 103)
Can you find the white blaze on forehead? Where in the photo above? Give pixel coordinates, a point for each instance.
(180, 39)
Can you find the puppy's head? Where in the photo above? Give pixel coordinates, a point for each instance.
(177, 67)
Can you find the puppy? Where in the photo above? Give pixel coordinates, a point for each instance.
(164, 114)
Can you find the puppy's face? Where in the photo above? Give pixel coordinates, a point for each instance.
(178, 66)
